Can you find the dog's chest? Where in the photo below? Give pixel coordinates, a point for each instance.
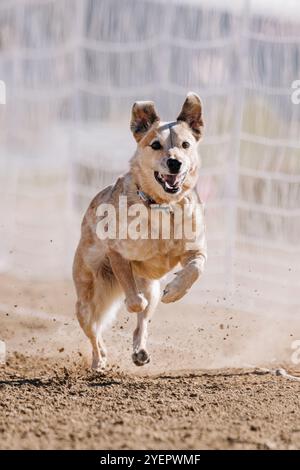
(146, 250)
(160, 239)
(155, 258)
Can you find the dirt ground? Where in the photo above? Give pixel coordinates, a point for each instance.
(47, 405)
(202, 390)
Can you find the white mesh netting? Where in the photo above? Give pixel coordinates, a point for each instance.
(72, 71)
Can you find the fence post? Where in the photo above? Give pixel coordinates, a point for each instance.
(232, 183)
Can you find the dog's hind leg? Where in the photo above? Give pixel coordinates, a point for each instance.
(97, 304)
(93, 317)
(151, 291)
(85, 311)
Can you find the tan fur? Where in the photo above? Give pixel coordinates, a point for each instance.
(106, 270)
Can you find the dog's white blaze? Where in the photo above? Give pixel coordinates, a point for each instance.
(164, 129)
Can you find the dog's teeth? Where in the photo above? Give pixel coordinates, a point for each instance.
(170, 182)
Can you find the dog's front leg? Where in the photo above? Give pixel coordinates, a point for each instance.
(122, 269)
(193, 265)
(151, 290)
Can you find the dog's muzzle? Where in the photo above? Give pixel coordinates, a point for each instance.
(171, 183)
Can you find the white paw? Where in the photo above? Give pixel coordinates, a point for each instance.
(183, 281)
(99, 364)
(176, 288)
(172, 292)
(136, 304)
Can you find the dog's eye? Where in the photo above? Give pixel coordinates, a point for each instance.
(156, 145)
(185, 144)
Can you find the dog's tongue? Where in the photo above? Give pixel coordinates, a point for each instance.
(170, 179)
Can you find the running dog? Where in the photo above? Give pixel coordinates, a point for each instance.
(163, 174)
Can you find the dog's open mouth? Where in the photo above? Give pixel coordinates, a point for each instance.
(170, 183)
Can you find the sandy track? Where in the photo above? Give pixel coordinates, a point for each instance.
(50, 399)
(37, 318)
(44, 404)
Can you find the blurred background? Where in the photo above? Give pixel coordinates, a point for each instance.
(73, 69)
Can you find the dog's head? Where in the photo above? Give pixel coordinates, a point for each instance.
(165, 165)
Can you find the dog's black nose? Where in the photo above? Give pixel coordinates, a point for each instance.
(173, 165)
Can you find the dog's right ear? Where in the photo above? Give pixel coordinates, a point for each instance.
(143, 115)
(191, 113)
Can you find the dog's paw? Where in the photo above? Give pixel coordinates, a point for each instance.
(136, 304)
(99, 365)
(141, 357)
(172, 293)
(183, 281)
(175, 289)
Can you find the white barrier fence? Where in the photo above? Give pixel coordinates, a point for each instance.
(72, 70)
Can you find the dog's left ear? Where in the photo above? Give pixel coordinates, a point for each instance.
(143, 115)
(191, 113)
